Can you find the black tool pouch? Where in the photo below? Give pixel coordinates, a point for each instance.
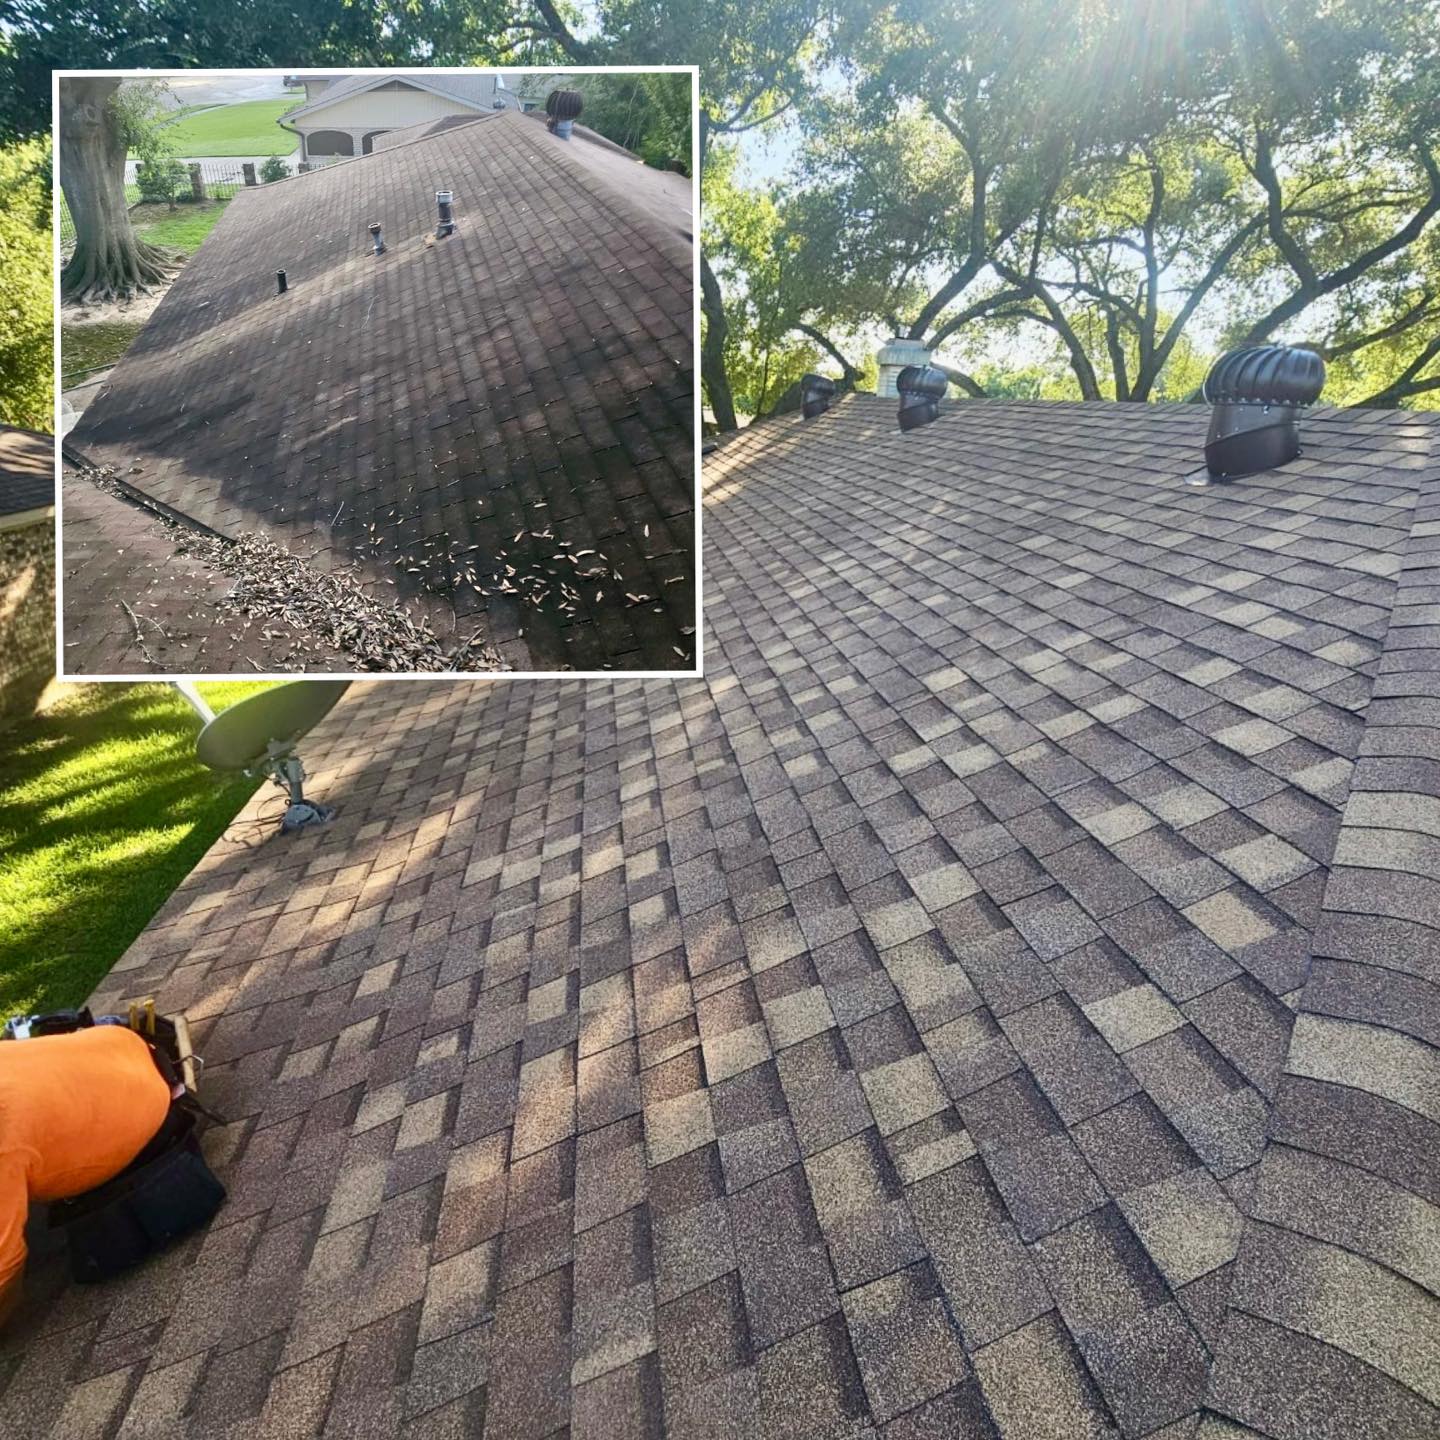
(165, 1192)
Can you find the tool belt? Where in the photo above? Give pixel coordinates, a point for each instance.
(167, 1190)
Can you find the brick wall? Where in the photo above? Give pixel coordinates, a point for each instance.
(27, 614)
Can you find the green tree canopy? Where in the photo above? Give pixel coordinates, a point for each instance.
(27, 392)
(1127, 194)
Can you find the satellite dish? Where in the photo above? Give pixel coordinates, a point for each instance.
(258, 735)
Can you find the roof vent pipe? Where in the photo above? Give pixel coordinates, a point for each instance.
(378, 236)
(1258, 392)
(282, 284)
(563, 107)
(816, 393)
(444, 201)
(922, 388)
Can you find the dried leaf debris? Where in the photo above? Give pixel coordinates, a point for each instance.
(329, 608)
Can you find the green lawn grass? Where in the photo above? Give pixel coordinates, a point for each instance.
(183, 228)
(246, 128)
(94, 346)
(103, 811)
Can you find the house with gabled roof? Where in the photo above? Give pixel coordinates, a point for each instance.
(489, 418)
(343, 115)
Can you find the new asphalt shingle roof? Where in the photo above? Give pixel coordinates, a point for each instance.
(27, 472)
(508, 396)
(997, 1000)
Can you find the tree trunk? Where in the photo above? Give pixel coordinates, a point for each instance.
(712, 354)
(109, 261)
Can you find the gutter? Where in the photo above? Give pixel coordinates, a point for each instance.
(289, 130)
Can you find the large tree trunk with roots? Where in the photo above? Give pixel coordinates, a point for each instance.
(109, 262)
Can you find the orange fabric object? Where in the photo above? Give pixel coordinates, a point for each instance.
(75, 1110)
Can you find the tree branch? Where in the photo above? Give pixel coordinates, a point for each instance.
(1407, 382)
(850, 373)
(1055, 318)
(1411, 231)
(558, 31)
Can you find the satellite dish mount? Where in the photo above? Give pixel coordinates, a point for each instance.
(288, 772)
(258, 736)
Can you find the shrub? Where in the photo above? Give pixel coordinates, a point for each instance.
(161, 180)
(274, 169)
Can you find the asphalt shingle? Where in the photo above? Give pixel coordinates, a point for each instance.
(473, 421)
(792, 1089)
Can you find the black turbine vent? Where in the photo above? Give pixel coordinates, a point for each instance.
(563, 107)
(1258, 392)
(816, 393)
(922, 388)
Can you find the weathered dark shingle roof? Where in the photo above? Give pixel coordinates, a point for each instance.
(521, 389)
(997, 1000)
(27, 471)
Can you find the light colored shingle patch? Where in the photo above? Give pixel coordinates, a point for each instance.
(735, 1051)
(1187, 1222)
(1348, 652)
(1383, 1062)
(423, 1122)
(300, 1064)
(380, 1106)
(1063, 725)
(1034, 1385)
(944, 886)
(377, 978)
(549, 1001)
(1278, 702)
(1277, 627)
(897, 923)
(944, 679)
(1117, 708)
(1209, 672)
(1320, 779)
(934, 1156)
(1266, 862)
(1133, 1016)
(909, 761)
(678, 1126)
(798, 1016)
(1119, 823)
(903, 1092)
(1186, 805)
(454, 1288)
(971, 760)
(1228, 921)
(1252, 737)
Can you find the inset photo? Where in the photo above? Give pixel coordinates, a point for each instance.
(377, 371)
